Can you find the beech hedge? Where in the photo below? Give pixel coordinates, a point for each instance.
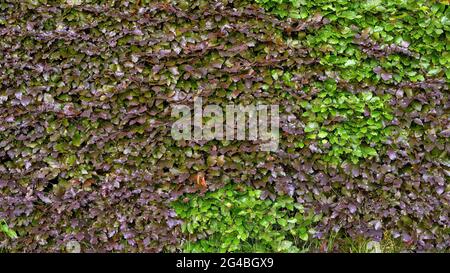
(86, 93)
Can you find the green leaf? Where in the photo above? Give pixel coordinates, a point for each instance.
(5, 229)
(282, 222)
(304, 236)
(350, 63)
(322, 134)
(349, 14)
(76, 139)
(311, 126)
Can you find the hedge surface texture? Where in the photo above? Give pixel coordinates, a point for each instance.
(86, 93)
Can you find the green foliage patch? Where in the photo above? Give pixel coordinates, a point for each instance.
(404, 46)
(7, 230)
(347, 125)
(235, 219)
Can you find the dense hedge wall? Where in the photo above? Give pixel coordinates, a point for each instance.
(87, 88)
